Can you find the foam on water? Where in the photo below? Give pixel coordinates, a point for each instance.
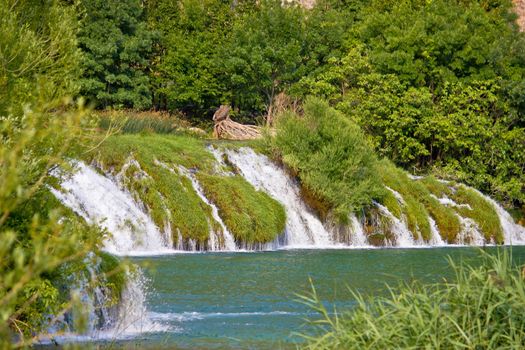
(191, 316)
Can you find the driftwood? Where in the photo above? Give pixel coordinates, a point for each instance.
(225, 128)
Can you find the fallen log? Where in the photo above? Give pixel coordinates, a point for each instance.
(225, 128)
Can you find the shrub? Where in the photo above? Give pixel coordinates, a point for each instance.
(330, 155)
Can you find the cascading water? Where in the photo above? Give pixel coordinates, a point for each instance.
(435, 236)
(132, 232)
(470, 234)
(358, 238)
(218, 240)
(101, 201)
(303, 229)
(402, 235)
(513, 233)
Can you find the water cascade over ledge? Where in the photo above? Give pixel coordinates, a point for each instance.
(99, 200)
(102, 199)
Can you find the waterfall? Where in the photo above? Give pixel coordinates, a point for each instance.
(358, 238)
(513, 233)
(403, 236)
(228, 242)
(470, 234)
(101, 201)
(303, 229)
(435, 236)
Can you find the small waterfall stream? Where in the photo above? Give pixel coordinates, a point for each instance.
(218, 240)
(402, 235)
(303, 229)
(101, 201)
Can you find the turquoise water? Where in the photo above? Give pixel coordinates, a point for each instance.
(249, 300)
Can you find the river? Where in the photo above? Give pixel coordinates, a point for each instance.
(249, 300)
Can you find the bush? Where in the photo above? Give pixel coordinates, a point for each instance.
(330, 155)
(481, 309)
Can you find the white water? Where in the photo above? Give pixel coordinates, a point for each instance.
(358, 238)
(403, 236)
(435, 236)
(470, 234)
(303, 229)
(216, 242)
(513, 233)
(396, 194)
(101, 201)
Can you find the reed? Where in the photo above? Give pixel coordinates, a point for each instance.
(481, 308)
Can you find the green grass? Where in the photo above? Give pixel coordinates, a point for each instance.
(481, 308)
(163, 190)
(414, 196)
(481, 211)
(334, 164)
(133, 122)
(251, 216)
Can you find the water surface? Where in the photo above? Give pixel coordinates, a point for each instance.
(249, 300)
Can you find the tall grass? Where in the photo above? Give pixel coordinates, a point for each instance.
(482, 308)
(133, 122)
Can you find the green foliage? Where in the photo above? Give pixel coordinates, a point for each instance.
(38, 56)
(436, 86)
(39, 130)
(161, 187)
(187, 65)
(481, 308)
(418, 204)
(414, 199)
(264, 54)
(330, 155)
(252, 216)
(114, 273)
(470, 204)
(115, 43)
(157, 180)
(481, 211)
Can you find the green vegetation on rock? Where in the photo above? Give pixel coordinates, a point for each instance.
(334, 163)
(251, 216)
(419, 204)
(149, 166)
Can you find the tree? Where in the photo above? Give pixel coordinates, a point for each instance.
(187, 72)
(115, 43)
(264, 55)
